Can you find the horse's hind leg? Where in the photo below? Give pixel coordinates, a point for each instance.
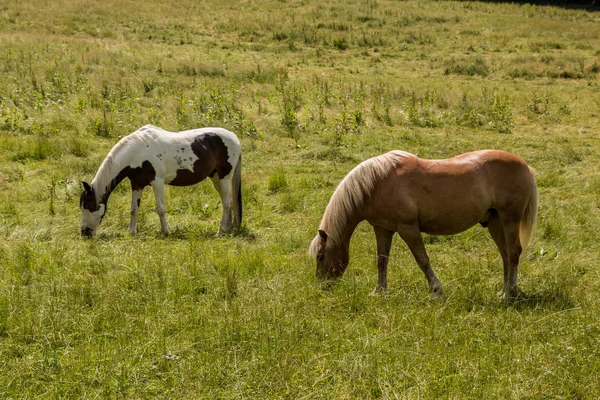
(513, 248)
(223, 186)
(505, 232)
(497, 233)
(384, 243)
(412, 237)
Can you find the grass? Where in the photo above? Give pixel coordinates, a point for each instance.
(311, 89)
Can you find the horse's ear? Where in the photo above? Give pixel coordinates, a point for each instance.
(86, 187)
(323, 234)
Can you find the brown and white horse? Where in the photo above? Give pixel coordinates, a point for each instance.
(154, 157)
(399, 192)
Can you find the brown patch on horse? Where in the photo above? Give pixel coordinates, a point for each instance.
(140, 177)
(212, 159)
(87, 201)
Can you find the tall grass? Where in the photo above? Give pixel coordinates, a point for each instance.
(311, 89)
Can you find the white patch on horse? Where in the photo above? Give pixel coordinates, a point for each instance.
(184, 156)
(91, 220)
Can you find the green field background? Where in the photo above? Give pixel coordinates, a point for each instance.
(311, 89)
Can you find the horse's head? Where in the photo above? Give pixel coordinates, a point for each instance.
(91, 212)
(331, 260)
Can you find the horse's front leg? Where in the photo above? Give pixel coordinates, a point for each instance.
(136, 197)
(159, 194)
(384, 244)
(412, 236)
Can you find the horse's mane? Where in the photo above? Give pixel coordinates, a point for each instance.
(351, 193)
(107, 171)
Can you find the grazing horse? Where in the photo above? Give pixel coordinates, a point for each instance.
(399, 192)
(154, 157)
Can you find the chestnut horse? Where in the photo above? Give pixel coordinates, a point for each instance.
(399, 192)
(154, 157)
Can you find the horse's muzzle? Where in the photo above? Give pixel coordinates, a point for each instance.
(321, 276)
(87, 232)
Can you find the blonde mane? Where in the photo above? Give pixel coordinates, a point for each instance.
(351, 193)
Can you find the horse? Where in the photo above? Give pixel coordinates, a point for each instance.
(154, 157)
(400, 192)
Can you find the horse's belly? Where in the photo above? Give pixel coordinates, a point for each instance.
(450, 223)
(186, 177)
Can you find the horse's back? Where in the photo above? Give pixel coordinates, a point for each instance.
(229, 138)
(159, 134)
(476, 167)
(498, 173)
(187, 157)
(450, 195)
(500, 156)
(489, 164)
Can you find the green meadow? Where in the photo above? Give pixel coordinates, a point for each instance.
(311, 89)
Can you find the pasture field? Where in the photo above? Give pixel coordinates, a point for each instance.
(311, 88)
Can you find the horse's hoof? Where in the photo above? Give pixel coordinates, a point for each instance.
(437, 292)
(379, 291)
(223, 231)
(508, 296)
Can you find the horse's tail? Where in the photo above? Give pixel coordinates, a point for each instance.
(237, 193)
(529, 217)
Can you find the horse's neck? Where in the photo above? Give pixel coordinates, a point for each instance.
(111, 173)
(342, 232)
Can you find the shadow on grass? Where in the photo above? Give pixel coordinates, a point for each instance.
(244, 233)
(185, 233)
(327, 286)
(107, 236)
(553, 298)
(549, 299)
(176, 233)
(591, 5)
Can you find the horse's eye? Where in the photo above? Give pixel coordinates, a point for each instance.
(320, 257)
